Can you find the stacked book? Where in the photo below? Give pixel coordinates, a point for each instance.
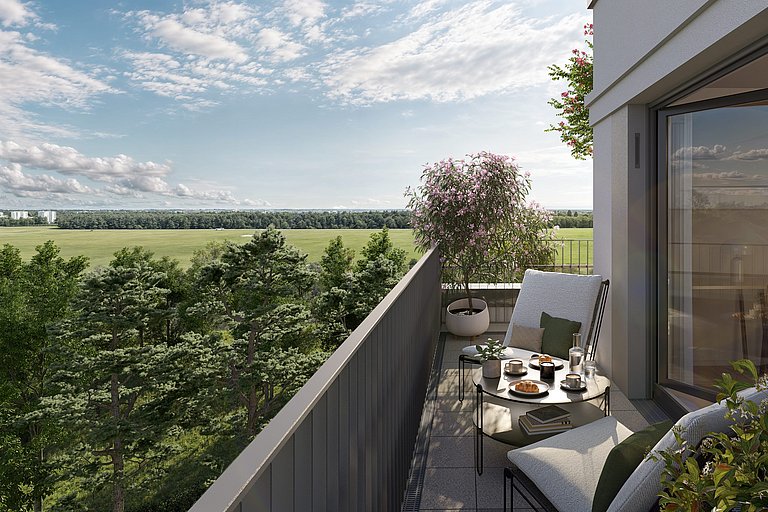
(545, 420)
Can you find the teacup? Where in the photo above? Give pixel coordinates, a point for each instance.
(573, 380)
(514, 366)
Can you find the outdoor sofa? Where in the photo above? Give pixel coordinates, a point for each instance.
(562, 472)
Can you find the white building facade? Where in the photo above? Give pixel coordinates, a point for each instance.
(680, 117)
(48, 215)
(19, 214)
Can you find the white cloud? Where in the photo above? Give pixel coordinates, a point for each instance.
(702, 152)
(67, 160)
(13, 12)
(752, 154)
(210, 49)
(361, 8)
(30, 77)
(726, 175)
(279, 44)
(122, 175)
(190, 41)
(16, 182)
(304, 11)
(461, 54)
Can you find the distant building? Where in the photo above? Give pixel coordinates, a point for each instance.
(19, 214)
(2, 215)
(48, 215)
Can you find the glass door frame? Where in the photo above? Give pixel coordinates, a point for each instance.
(661, 210)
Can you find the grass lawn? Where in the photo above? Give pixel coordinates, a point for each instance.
(99, 245)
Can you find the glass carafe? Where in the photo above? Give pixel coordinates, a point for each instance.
(576, 355)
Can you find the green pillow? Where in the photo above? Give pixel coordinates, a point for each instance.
(558, 335)
(623, 460)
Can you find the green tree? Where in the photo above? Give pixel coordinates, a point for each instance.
(330, 304)
(33, 297)
(375, 275)
(574, 129)
(260, 289)
(121, 387)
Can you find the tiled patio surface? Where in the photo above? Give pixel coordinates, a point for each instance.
(450, 481)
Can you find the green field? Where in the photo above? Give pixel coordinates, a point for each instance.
(99, 245)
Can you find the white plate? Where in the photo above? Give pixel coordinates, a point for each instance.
(517, 374)
(533, 362)
(566, 387)
(543, 388)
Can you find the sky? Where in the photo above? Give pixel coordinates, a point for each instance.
(276, 104)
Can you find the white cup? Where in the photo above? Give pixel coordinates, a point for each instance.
(514, 366)
(573, 380)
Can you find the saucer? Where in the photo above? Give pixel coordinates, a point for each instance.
(517, 374)
(566, 387)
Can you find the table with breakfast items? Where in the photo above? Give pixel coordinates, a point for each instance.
(511, 408)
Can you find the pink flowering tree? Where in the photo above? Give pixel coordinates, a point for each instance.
(574, 129)
(475, 212)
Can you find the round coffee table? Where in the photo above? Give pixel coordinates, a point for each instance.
(497, 409)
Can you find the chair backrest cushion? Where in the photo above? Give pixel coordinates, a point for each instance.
(642, 488)
(569, 296)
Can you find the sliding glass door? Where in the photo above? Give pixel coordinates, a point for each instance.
(714, 178)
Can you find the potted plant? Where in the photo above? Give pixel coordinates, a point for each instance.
(475, 212)
(734, 475)
(490, 355)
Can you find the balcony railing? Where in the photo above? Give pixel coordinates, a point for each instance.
(344, 442)
(574, 256)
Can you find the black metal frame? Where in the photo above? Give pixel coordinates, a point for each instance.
(513, 473)
(662, 216)
(479, 434)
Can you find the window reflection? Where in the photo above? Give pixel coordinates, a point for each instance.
(717, 163)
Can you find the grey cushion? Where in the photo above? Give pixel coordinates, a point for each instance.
(528, 338)
(567, 467)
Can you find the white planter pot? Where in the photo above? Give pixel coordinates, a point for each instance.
(492, 369)
(467, 325)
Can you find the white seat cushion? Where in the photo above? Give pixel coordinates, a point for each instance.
(567, 467)
(568, 296)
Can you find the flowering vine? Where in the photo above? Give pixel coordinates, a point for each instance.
(574, 129)
(475, 212)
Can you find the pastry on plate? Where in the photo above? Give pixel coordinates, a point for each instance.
(526, 386)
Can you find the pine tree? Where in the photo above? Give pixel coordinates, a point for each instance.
(33, 297)
(260, 288)
(122, 387)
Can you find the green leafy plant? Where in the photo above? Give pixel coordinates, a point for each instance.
(574, 129)
(492, 350)
(734, 475)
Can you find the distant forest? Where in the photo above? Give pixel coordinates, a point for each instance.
(157, 219)
(393, 219)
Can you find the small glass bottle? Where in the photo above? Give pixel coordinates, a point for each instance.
(576, 355)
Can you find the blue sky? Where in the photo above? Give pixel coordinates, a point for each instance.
(275, 104)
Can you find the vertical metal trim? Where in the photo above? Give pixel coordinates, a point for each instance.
(637, 150)
(333, 464)
(302, 465)
(344, 435)
(283, 482)
(320, 443)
